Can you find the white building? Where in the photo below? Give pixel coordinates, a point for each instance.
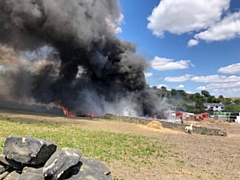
(214, 106)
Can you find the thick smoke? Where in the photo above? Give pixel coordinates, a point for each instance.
(66, 52)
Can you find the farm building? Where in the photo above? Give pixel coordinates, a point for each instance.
(214, 106)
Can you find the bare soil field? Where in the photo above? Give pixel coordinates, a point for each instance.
(188, 156)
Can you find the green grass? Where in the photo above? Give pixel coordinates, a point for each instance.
(105, 146)
(204, 133)
(180, 161)
(192, 166)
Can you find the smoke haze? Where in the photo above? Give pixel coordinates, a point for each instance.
(66, 52)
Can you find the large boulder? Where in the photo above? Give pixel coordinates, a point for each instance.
(12, 176)
(61, 163)
(3, 175)
(31, 176)
(10, 163)
(26, 158)
(2, 169)
(29, 173)
(92, 170)
(28, 150)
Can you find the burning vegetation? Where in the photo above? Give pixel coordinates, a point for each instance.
(71, 113)
(66, 111)
(67, 52)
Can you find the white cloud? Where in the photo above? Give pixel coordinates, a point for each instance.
(200, 88)
(181, 16)
(148, 74)
(211, 20)
(215, 79)
(160, 85)
(192, 42)
(226, 89)
(181, 86)
(227, 28)
(231, 69)
(190, 92)
(219, 85)
(179, 78)
(227, 92)
(163, 64)
(226, 85)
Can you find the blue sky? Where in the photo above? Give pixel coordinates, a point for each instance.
(190, 45)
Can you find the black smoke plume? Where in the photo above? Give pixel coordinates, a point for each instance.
(66, 52)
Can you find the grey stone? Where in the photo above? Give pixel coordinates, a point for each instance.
(12, 176)
(30, 176)
(4, 174)
(22, 160)
(28, 150)
(32, 170)
(60, 163)
(92, 170)
(29, 173)
(2, 169)
(9, 162)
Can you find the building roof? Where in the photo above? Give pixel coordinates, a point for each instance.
(213, 104)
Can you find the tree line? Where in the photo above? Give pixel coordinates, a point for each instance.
(182, 101)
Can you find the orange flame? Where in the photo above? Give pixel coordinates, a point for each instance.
(91, 115)
(67, 112)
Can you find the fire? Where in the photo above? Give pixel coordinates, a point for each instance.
(67, 112)
(91, 115)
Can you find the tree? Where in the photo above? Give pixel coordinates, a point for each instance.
(163, 88)
(220, 97)
(232, 108)
(198, 96)
(154, 87)
(210, 99)
(237, 101)
(205, 93)
(199, 106)
(191, 109)
(182, 93)
(216, 100)
(227, 101)
(173, 92)
(192, 97)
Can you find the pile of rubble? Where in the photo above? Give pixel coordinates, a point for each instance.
(27, 158)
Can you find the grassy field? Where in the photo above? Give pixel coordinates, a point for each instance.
(132, 151)
(106, 146)
(109, 147)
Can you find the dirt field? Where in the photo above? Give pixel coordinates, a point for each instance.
(198, 156)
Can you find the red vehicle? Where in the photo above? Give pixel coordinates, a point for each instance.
(179, 114)
(201, 117)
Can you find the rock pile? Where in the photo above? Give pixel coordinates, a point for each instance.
(27, 158)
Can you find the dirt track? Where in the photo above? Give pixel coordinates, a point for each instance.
(200, 157)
